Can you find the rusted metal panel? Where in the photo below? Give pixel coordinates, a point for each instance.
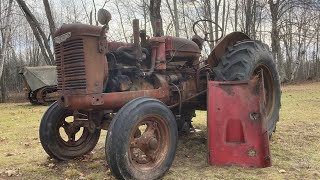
(113, 46)
(179, 48)
(237, 127)
(76, 29)
(158, 52)
(81, 68)
(114, 100)
(220, 49)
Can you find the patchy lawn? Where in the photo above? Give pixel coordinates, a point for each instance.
(295, 147)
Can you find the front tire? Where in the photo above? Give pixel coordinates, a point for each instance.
(142, 140)
(246, 59)
(61, 138)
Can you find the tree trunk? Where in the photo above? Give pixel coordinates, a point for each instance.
(52, 25)
(223, 15)
(248, 16)
(227, 19)
(176, 18)
(5, 37)
(155, 17)
(236, 16)
(121, 22)
(275, 39)
(253, 20)
(184, 20)
(317, 57)
(144, 6)
(3, 90)
(208, 15)
(216, 17)
(38, 32)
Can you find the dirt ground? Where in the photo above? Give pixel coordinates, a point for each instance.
(294, 147)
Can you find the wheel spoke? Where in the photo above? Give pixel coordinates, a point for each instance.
(151, 126)
(72, 138)
(137, 133)
(66, 126)
(134, 143)
(71, 130)
(201, 28)
(151, 156)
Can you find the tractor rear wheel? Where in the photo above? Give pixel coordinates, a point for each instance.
(246, 59)
(62, 137)
(142, 140)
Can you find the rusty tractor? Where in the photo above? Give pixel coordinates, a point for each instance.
(143, 93)
(40, 84)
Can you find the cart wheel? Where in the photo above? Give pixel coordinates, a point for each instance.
(33, 98)
(62, 137)
(142, 140)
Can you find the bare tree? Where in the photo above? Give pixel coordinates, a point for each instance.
(174, 16)
(277, 9)
(52, 25)
(155, 16)
(121, 22)
(5, 37)
(38, 33)
(236, 9)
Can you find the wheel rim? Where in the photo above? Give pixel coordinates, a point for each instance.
(70, 134)
(268, 88)
(149, 143)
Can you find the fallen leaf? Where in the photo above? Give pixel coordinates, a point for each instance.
(282, 171)
(10, 173)
(51, 165)
(316, 174)
(10, 154)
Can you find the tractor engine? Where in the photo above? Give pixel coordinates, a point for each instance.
(96, 74)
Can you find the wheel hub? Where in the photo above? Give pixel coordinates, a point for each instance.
(147, 141)
(153, 143)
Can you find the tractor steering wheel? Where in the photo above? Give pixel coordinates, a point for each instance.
(205, 29)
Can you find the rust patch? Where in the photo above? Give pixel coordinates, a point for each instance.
(227, 88)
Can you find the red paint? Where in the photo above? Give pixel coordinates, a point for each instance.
(233, 137)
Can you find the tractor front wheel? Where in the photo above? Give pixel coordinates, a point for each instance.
(63, 137)
(142, 140)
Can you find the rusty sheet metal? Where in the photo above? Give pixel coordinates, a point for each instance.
(181, 48)
(113, 46)
(223, 44)
(76, 29)
(237, 127)
(115, 100)
(158, 52)
(81, 69)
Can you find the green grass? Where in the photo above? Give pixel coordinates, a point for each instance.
(295, 147)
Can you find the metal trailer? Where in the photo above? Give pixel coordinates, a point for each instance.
(40, 84)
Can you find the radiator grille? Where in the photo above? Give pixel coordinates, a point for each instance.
(70, 65)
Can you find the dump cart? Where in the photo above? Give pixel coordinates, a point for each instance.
(40, 84)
